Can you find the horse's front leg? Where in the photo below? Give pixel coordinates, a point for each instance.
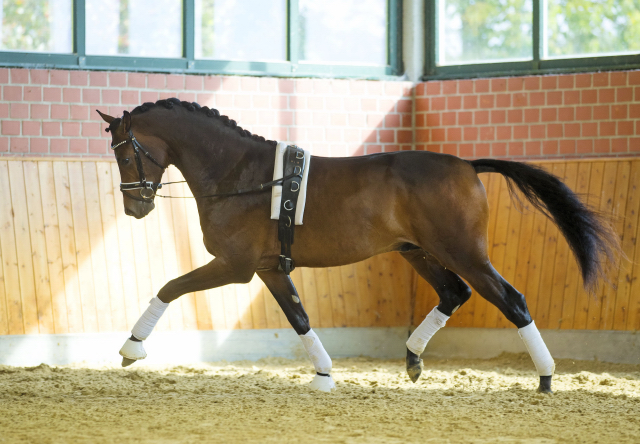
(216, 273)
(283, 290)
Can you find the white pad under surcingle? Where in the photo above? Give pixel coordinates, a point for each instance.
(420, 337)
(149, 319)
(322, 383)
(317, 353)
(133, 350)
(537, 349)
(276, 191)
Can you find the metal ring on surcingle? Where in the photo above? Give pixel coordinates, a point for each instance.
(288, 224)
(297, 170)
(288, 207)
(150, 196)
(295, 186)
(300, 154)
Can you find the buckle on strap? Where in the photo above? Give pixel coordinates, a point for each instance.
(286, 264)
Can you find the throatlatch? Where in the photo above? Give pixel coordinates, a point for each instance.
(294, 165)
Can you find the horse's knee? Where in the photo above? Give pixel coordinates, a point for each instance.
(451, 299)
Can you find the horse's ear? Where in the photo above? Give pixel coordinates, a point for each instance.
(126, 122)
(106, 117)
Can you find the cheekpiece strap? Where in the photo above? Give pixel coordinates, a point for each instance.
(294, 164)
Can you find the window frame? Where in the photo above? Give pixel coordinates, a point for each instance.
(537, 65)
(188, 64)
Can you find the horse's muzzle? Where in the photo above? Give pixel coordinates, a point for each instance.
(139, 210)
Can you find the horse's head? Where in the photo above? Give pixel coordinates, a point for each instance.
(142, 158)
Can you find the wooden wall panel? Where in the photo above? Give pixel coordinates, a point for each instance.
(72, 261)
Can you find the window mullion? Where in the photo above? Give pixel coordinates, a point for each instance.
(79, 26)
(293, 34)
(188, 33)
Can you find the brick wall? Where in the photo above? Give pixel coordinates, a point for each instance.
(52, 112)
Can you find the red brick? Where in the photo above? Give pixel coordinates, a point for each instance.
(606, 95)
(434, 88)
(433, 119)
(519, 99)
(503, 100)
(404, 106)
(516, 148)
(454, 102)
(196, 83)
(549, 82)
(571, 129)
(39, 111)
(117, 79)
(487, 101)
(470, 133)
(624, 94)
(481, 118)
(583, 80)
(601, 112)
(634, 111)
(584, 146)
(465, 86)
(60, 112)
(71, 129)
(110, 96)
(386, 136)
(482, 85)
(438, 135)
(79, 112)
(422, 104)
(19, 145)
(156, 81)
(438, 103)
(607, 128)
(4, 76)
(421, 89)
(454, 134)
(12, 93)
(567, 147)
(515, 116)
(284, 85)
(422, 135)
(619, 111)
(636, 93)
(97, 78)
(531, 115)
(405, 136)
(499, 149)
(465, 150)
(538, 131)
(52, 94)
(79, 78)
(136, 80)
(483, 150)
(566, 81)
(618, 78)
(487, 133)
(465, 118)
(407, 120)
(153, 96)
(521, 132)
(373, 88)
(554, 98)
(470, 102)
(78, 145)
(589, 96)
(448, 118)
(390, 120)
(554, 130)
(38, 145)
(10, 127)
(602, 145)
(619, 145)
(549, 114)
(57, 77)
(4, 110)
(534, 148)
(536, 99)
(515, 84)
(583, 112)
(50, 128)
(32, 93)
(71, 95)
(625, 128)
(498, 116)
(565, 114)
(601, 79)
(449, 87)
(634, 78)
(571, 97)
(532, 83)
(589, 129)
(187, 96)
(130, 97)
(59, 146)
(90, 95)
(19, 111)
(39, 76)
(98, 146)
(503, 132)
(498, 85)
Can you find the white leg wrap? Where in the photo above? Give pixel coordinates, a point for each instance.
(420, 337)
(149, 319)
(133, 350)
(317, 354)
(537, 349)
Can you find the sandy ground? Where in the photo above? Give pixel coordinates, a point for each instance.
(455, 401)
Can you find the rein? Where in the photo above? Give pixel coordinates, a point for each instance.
(146, 186)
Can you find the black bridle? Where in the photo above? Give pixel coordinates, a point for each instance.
(149, 189)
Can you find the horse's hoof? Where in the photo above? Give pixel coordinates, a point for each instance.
(414, 366)
(133, 350)
(545, 385)
(126, 362)
(322, 383)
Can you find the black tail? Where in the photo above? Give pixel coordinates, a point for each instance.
(592, 240)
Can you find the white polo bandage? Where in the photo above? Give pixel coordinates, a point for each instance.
(420, 337)
(317, 353)
(149, 319)
(537, 349)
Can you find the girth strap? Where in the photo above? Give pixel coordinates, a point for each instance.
(294, 164)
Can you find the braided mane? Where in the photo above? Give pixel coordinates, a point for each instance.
(193, 106)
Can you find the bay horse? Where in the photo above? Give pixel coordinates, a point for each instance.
(432, 208)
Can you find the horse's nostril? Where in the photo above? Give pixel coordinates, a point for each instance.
(128, 212)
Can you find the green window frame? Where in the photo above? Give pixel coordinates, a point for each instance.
(188, 64)
(538, 65)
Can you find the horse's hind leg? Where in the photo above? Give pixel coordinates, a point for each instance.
(452, 291)
(285, 293)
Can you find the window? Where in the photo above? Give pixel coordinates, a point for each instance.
(469, 38)
(277, 37)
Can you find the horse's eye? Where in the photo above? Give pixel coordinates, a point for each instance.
(123, 162)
